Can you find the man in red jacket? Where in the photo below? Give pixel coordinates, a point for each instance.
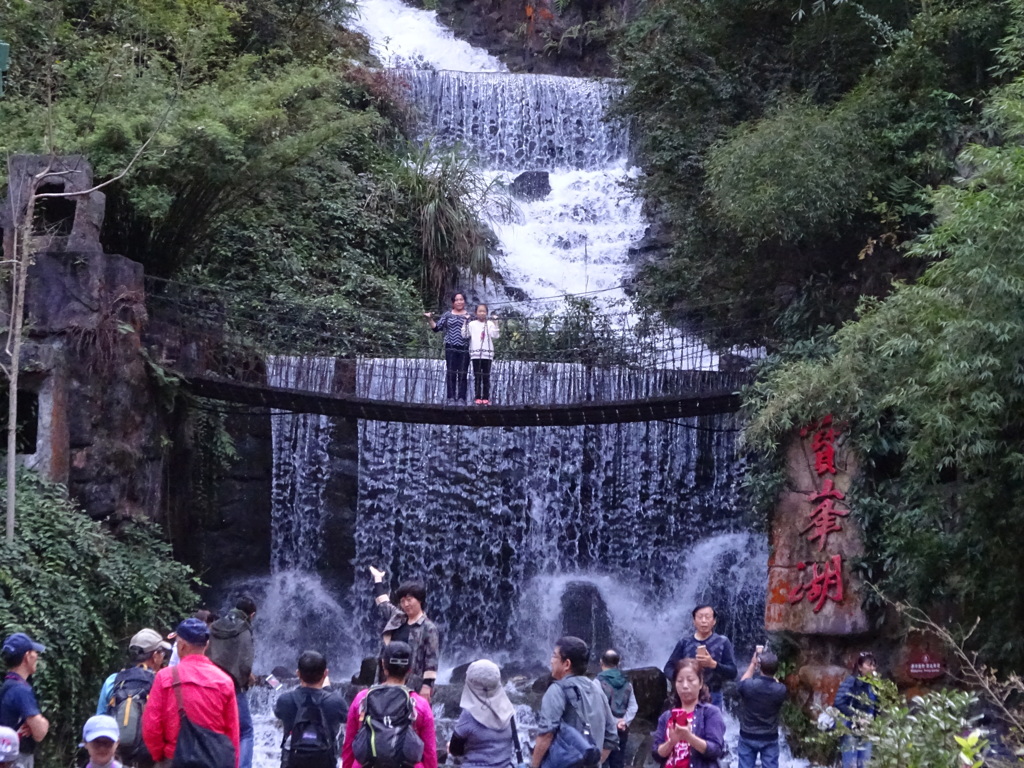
(207, 692)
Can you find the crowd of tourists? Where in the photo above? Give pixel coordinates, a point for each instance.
(181, 702)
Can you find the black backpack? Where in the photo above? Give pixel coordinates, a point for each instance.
(127, 701)
(310, 743)
(386, 738)
(199, 747)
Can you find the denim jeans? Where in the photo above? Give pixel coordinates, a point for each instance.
(749, 749)
(718, 700)
(245, 728)
(856, 751)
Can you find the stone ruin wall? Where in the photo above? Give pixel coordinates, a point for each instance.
(104, 425)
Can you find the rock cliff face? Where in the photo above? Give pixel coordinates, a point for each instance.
(540, 36)
(102, 416)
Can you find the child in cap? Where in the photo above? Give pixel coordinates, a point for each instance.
(100, 735)
(9, 740)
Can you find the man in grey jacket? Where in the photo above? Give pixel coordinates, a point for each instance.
(574, 699)
(231, 648)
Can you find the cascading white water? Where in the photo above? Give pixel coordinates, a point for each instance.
(296, 610)
(621, 503)
(499, 522)
(402, 36)
(298, 486)
(520, 122)
(575, 239)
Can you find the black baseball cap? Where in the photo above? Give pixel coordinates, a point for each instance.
(397, 655)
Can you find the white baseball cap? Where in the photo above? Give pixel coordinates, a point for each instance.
(100, 727)
(9, 742)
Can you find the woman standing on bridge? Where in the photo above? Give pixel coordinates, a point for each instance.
(456, 347)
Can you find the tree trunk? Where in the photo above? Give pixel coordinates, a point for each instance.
(19, 279)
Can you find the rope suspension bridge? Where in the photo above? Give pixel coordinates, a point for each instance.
(577, 366)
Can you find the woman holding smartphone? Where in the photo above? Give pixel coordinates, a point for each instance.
(692, 733)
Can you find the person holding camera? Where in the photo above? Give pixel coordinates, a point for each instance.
(761, 700)
(712, 651)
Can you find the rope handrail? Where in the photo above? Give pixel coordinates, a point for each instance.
(585, 365)
(607, 338)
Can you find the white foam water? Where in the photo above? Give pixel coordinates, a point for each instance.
(402, 36)
(519, 518)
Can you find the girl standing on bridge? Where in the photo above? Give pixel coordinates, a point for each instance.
(481, 333)
(456, 346)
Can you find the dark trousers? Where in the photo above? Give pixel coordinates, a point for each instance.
(617, 758)
(482, 378)
(456, 369)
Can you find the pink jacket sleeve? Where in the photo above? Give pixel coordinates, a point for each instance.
(424, 727)
(348, 759)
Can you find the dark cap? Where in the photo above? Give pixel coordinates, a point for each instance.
(18, 644)
(397, 655)
(193, 631)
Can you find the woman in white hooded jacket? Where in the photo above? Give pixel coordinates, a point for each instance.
(485, 735)
(481, 333)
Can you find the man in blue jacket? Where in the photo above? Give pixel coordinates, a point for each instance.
(18, 707)
(713, 651)
(858, 700)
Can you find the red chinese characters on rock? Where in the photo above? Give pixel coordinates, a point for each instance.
(826, 583)
(825, 516)
(825, 580)
(823, 444)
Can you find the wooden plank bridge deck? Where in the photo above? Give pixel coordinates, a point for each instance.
(554, 415)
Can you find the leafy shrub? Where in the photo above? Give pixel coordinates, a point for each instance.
(925, 732)
(447, 194)
(931, 381)
(921, 733)
(82, 592)
(798, 173)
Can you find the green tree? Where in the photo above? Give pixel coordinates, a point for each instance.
(82, 592)
(931, 380)
(789, 156)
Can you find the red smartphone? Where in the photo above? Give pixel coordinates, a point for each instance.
(680, 717)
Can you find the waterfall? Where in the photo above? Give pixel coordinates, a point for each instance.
(520, 122)
(501, 523)
(497, 521)
(298, 484)
(575, 239)
(296, 610)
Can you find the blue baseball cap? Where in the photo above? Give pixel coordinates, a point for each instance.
(193, 631)
(17, 645)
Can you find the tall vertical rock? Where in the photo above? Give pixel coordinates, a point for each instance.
(98, 427)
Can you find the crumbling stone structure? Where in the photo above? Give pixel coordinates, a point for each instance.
(98, 425)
